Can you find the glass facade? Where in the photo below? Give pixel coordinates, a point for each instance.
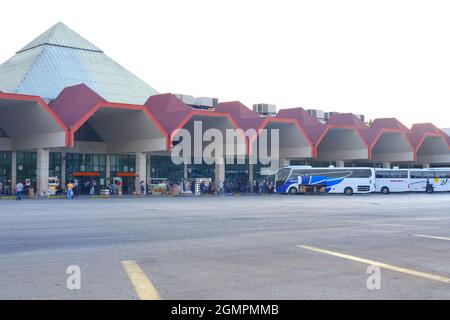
(162, 167)
(86, 168)
(122, 163)
(201, 170)
(410, 166)
(54, 167)
(5, 171)
(236, 177)
(26, 168)
(363, 164)
(124, 166)
(258, 174)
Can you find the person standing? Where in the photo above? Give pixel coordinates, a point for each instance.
(19, 190)
(76, 188)
(221, 191)
(92, 188)
(142, 187)
(70, 187)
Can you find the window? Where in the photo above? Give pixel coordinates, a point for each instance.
(26, 167)
(391, 174)
(429, 174)
(361, 173)
(201, 170)
(163, 167)
(333, 173)
(442, 174)
(5, 167)
(282, 175)
(122, 163)
(416, 175)
(55, 164)
(81, 162)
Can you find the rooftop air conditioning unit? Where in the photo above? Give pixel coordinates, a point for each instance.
(265, 109)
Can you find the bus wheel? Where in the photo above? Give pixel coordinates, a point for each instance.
(385, 190)
(348, 191)
(292, 190)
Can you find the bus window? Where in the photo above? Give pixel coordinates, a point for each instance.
(400, 174)
(297, 173)
(282, 176)
(416, 175)
(428, 174)
(361, 173)
(442, 174)
(382, 174)
(391, 174)
(332, 173)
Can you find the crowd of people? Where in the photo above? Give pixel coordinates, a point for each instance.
(18, 191)
(208, 186)
(5, 189)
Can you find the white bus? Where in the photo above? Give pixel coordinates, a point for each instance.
(412, 180)
(303, 179)
(429, 180)
(391, 180)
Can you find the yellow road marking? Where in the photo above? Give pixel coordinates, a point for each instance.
(141, 284)
(425, 275)
(431, 237)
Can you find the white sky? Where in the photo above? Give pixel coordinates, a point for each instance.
(380, 58)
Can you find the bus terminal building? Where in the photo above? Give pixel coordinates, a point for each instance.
(69, 111)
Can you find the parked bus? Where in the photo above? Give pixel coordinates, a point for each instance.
(429, 180)
(391, 180)
(412, 180)
(304, 179)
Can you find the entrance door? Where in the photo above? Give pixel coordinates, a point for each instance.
(128, 184)
(85, 183)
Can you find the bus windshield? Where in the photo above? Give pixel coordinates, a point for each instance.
(282, 176)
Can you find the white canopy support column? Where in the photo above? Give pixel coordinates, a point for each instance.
(219, 171)
(149, 168)
(108, 170)
(141, 170)
(63, 182)
(185, 171)
(250, 172)
(42, 169)
(386, 164)
(13, 170)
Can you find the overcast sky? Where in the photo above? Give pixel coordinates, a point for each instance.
(380, 58)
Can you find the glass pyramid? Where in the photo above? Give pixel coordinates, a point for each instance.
(61, 58)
